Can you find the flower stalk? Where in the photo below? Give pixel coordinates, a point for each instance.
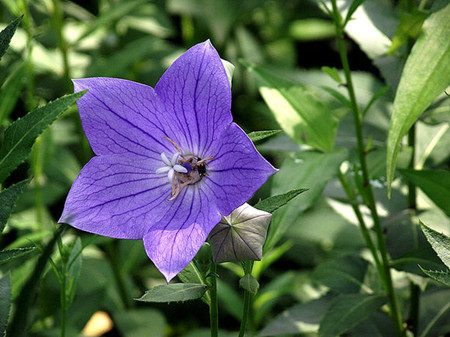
(213, 307)
(247, 265)
(357, 120)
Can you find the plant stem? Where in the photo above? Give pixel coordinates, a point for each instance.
(62, 45)
(357, 120)
(362, 225)
(213, 308)
(112, 252)
(247, 265)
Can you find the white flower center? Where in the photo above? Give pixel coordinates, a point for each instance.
(171, 166)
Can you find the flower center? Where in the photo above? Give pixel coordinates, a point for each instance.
(182, 170)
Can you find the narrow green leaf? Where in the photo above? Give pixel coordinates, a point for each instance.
(20, 135)
(437, 275)
(336, 94)
(426, 74)
(249, 283)
(374, 98)
(439, 242)
(434, 313)
(333, 73)
(346, 311)
(352, 9)
(19, 319)
(5, 301)
(193, 274)
(271, 204)
(176, 292)
(260, 135)
(7, 34)
(73, 271)
(300, 114)
(409, 27)
(434, 183)
(11, 254)
(8, 199)
(312, 29)
(10, 91)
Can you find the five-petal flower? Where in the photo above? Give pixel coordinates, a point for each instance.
(131, 189)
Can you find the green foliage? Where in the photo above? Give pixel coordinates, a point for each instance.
(439, 242)
(10, 91)
(20, 135)
(426, 74)
(175, 292)
(260, 135)
(249, 283)
(346, 311)
(7, 34)
(8, 199)
(273, 203)
(5, 301)
(11, 254)
(135, 323)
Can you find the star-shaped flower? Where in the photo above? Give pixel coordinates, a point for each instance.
(131, 190)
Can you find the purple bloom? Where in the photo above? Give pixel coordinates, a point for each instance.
(169, 161)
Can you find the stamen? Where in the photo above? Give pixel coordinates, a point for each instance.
(176, 146)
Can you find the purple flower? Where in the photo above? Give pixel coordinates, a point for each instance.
(169, 161)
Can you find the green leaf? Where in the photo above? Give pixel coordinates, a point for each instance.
(435, 184)
(271, 204)
(346, 311)
(374, 98)
(8, 199)
(308, 169)
(260, 135)
(135, 323)
(249, 283)
(333, 73)
(312, 29)
(336, 94)
(434, 313)
(10, 91)
(20, 135)
(343, 274)
(19, 321)
(439, 242)
(440, 276)
(299, 319)
(409, 27)
(426, 74)
(5, 302)
(352, 9)
(7, 34)
(300, 114)
(192, 274)
(176, 292)
(11, 254)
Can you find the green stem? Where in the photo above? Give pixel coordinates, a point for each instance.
(30, 102)
(58, 19)
(63, 301)
(357, 120)
(213, 308)
(362, 225)
(113, 256)
(247, 265)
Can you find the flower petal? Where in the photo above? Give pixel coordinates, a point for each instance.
(121, 116)
(117, 196)
(197, 94)
(174, 241)
(237, 170)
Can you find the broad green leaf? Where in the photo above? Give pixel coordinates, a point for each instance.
(192, 274)
(260, 135)
(175, 292)
(5, 301)
(346, 311)
(333, 73)
(440, 276)
(271, 204)
(434, 313)
(73, 271)
(11, 254)
(20, 135)
(7, 34)
(19, 319)
(426, 75)
(249, 283)
(306, 169)
(10, 91)
(300, 114)
(439, 242)
(343, 274)
(8, 199)
(136, 322)
(435, 184)
(299, 319)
